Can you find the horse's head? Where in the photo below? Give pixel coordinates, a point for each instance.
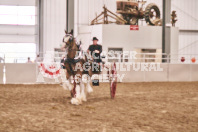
(68, 39)
(71, 44)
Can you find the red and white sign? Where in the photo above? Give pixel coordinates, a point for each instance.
(49, 70)
(134, 27)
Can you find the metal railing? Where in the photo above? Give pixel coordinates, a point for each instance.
(140, 57)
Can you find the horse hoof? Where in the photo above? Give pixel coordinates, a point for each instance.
(84, 99)
(79, 100)
(75, 101)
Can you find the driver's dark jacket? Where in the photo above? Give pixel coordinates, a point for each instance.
(96, 56)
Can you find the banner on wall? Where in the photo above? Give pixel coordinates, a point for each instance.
(49, 68)
(134, 27)
(51, 71)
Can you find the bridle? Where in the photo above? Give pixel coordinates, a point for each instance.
(70, 41)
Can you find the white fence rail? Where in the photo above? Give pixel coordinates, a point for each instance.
(143, 57)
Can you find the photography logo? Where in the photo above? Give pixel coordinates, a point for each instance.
(52, 70)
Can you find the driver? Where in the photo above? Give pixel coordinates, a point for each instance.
(95, 50)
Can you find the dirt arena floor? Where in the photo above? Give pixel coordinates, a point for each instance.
(138, 107)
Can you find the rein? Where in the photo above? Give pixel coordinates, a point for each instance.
(70, 49)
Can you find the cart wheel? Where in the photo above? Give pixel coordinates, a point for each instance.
(113, 81)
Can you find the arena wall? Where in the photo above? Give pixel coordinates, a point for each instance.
(1, 73)
(146, 76)
(194, 72)
(178, 72)
(28, 73)
(171, 73)
(21, 73)
(157, 76)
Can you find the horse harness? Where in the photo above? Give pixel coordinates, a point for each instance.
(71, 62)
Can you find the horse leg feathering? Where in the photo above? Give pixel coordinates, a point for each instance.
(77, 99)
(67, 85)
(83, 95)
(89, 88)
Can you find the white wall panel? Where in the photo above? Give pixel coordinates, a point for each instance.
(18, 33)
(188, 20)
(187, 13)
(121, 36)
(17, 38)
(17, 29)
(54, 23)
(188, 43)
(18, 2)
